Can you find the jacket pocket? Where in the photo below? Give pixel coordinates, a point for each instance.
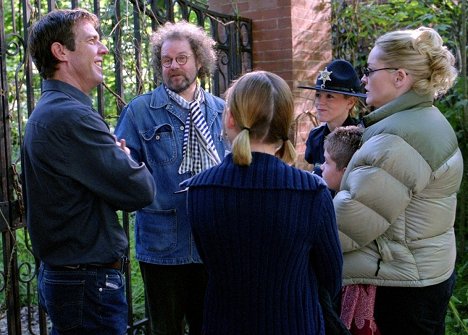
(157, 230)
(159, 144)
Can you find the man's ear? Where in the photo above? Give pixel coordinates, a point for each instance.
(59, 51)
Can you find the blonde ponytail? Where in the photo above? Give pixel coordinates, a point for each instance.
(241, 153)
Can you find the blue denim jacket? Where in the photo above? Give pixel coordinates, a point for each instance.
(153, 126)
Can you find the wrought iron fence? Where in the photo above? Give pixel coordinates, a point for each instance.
(125, 26)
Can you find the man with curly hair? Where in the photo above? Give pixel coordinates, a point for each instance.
(176, 130)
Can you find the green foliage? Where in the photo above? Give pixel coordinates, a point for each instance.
(457, 315)
(26, 270)
(452, 104)
(138, 291)
(356, 24)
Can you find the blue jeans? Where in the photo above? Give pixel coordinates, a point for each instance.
(83, 301)
(174, 294)
(413, 310)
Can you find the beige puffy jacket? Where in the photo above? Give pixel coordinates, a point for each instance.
(397, 204)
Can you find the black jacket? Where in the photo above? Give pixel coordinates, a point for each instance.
(75, 177)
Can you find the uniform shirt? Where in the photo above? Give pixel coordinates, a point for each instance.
(315, 153)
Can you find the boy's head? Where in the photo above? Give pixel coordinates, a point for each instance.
(340, 145)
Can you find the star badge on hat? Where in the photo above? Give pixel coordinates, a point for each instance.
(342, 77)
(324, 76)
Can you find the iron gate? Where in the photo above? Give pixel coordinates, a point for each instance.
(125, 27)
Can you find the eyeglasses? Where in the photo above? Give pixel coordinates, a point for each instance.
(181, 60)
(367, 71)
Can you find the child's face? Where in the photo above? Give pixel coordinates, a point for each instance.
(331, 174)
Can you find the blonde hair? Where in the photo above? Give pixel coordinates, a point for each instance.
(352, 111)
(422, 54)
(261, 104)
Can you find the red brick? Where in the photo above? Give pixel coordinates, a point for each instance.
(291, 38)
(280, 54)
(265, 25)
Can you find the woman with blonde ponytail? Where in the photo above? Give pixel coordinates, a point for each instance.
(264, 229)
(260, 112)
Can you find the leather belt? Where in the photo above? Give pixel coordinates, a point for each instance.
(119, 264)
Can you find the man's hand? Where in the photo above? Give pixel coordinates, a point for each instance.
(122, 144)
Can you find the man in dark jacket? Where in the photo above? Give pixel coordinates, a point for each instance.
(76, 175)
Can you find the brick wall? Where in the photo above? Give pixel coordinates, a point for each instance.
(292, 39)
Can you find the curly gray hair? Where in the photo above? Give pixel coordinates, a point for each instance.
(201, 43)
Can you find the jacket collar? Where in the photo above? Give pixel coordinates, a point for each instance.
(406, 101)
(61, 86)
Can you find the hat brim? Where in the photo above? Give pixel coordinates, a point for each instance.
(318, 88)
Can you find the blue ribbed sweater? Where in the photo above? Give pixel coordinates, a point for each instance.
(267, 235)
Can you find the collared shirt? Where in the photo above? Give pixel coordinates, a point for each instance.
(75, 178)
(315, 153)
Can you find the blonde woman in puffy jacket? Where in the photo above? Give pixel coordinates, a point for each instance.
(396, 208)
